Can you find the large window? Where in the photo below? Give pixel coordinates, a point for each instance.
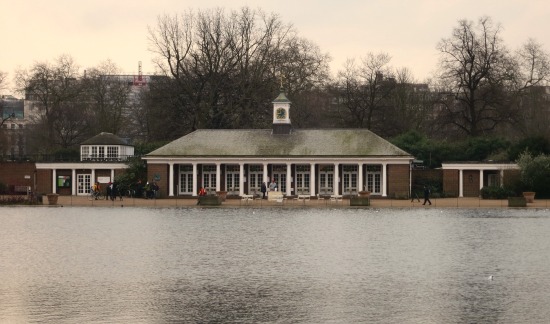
(112, 152)
(326, 179)
(255, 179)
(302, 179)
(349, 175)
(374, 179)
(232, 180)
(186, 179)
(209, 178)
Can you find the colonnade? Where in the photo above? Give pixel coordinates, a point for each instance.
(289, 178)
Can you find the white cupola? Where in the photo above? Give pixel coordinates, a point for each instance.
(281, 115)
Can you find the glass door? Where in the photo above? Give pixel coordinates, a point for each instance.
(349, 178)
(326, 179)
(279, 174)
(83, 184)
(302, 179)
(209, 178)
(186, 180)
(232, 179)
(374, 179)
(255, 176)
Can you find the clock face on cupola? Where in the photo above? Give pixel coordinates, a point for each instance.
(281, 108)
(280, 113)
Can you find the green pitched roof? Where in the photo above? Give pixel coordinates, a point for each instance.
(281, 98)
(261, 142)
(105, 138)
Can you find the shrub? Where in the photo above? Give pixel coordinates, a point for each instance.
(15, 200)
(535, 173)
(3, 188)
(495, 192)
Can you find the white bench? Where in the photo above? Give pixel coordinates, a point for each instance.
(22, 189)
(246, 198)
(336, 198)
(303, 198)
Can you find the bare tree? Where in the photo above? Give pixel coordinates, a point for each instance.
(225, 66)
(306, 71)
(3, 78)
(365, 88)
(478, 70)
(533, 65)
(409, 106)
(56, 93)
(108, 96)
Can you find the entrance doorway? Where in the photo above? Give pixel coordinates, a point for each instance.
(279, 174)
(83, 184)
(302, 179)
(349, 177)
(374, 179)
(232, 174)
(326, 179)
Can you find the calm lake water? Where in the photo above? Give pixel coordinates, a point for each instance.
(140, 265)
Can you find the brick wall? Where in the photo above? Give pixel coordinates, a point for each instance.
(44, 181)
(160, 170)
(17, 174)
(398, 180)
(471, 183)
(451, 182)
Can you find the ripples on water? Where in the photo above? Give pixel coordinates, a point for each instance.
(138, 265)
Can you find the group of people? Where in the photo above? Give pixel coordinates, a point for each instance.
(272, 187)
(148, 191)
(112, 190)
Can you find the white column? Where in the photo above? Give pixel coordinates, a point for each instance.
(384, 180)
(218, 176)
(54, 175)
(501, 180)
(360, 180)
(195, 179)
(112, 175)
(288, 179)
(93, 176)
(460, 183)
(266, 178)
(480, 179)
(170, 179)
(336, 179)
(312, 179)
(241, 178)
(73, 182)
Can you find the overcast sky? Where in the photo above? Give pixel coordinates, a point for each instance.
(93, 31)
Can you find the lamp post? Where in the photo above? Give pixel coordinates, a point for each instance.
(12, 115)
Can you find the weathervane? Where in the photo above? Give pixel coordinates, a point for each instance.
(282, 78)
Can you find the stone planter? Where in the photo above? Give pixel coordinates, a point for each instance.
(359, 201)
(364, 194)
(529, 196)
(222, 194)
(52, 198)
(517, 202)
(210, 200)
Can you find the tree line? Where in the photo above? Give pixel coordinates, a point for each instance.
(222, 69)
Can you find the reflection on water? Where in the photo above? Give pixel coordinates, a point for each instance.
(139, 265)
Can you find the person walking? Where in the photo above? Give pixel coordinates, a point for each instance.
(263, 189)
(426, 195)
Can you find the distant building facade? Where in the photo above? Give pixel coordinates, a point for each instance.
(103, 157)
(311, 162)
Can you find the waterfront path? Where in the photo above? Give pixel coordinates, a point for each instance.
(291, 203)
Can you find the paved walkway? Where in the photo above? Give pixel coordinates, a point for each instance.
(291, 203)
